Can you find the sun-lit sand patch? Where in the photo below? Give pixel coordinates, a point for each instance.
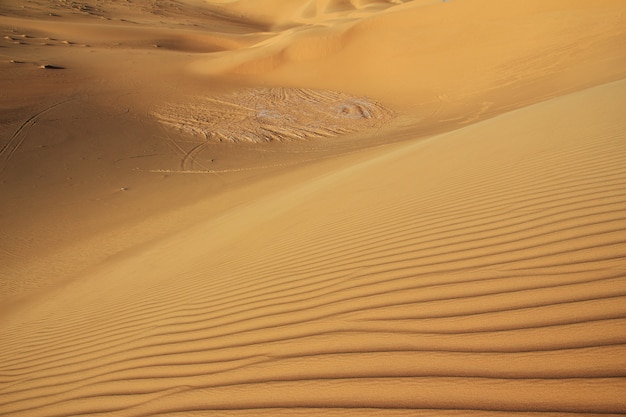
(258, 115)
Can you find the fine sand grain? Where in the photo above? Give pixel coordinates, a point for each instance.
(312, 207)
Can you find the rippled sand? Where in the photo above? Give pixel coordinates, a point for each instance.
(312, 207)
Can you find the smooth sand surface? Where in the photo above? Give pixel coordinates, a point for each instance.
(313, 207)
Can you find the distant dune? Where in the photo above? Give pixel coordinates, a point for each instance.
(312, 207)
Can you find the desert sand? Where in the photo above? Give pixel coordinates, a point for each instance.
(312, 207)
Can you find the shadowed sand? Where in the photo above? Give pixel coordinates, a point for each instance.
(313, 208)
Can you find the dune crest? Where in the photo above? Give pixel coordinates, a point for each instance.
(444, 49)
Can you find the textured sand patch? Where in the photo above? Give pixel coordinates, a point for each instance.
(258, 115)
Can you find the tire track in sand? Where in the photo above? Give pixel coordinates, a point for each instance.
(19, 136)
(258, 115)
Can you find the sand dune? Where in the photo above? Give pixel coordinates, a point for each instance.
(386, 283)
(313, 207)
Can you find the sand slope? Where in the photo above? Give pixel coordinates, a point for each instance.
(313, 207)
(148, 87)
(388, 284)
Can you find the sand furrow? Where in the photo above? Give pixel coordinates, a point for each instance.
(416, 363)
(361, 247)
(200, 329)
(232, 298)
(535, 395)
(231, 295)
(595, 195)
(220, 306)
(388, 411)
(513, 365)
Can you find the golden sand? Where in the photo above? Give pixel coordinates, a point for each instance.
(312, 207)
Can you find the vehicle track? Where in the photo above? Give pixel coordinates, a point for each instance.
(19, 136)
(259, 115)
(189, 161)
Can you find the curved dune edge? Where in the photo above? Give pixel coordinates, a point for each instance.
(473, 272)
(450, 60)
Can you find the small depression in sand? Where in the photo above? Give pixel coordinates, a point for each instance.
(257, 115)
